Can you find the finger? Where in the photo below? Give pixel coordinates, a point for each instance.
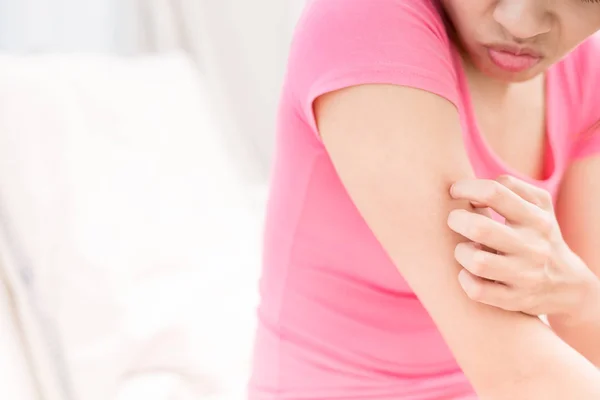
(483, 230)
(533, 194)
(486, 265)
(499, 198)
(488, 292)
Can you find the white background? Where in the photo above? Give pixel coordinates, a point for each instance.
(253, 35)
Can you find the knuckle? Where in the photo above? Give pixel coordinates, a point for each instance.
(479, 263)
(545, 198)
(504, 180)
(493, 191)
(546, 225)
(479, 231)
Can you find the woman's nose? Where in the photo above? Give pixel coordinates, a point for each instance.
(523, 19)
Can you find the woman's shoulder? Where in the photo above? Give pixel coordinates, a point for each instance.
(580, 77)
(583, 79)
(579, 69)
(428, 10)
(342, 43)
(377, 16)
(585, 59)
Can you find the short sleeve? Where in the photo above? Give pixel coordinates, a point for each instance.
(587, 140)
(343, 43)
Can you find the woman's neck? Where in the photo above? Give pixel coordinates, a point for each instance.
(491, 88)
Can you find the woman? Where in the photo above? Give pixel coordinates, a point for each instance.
(435, 191)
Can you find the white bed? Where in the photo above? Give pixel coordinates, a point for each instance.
(126, 210)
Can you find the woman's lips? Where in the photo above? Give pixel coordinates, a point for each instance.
(513, 60)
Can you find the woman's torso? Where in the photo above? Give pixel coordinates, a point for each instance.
(336, 319)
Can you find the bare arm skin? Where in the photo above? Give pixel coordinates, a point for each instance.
(578, 212)
(397, 150)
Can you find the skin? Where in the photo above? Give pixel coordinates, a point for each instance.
(537, 270)
(503, 347)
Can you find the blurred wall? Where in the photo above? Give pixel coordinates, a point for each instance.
(246, 54)
(65, 26)
(241, 48)
(242, 53)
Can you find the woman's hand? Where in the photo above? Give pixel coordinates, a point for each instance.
(523, 265)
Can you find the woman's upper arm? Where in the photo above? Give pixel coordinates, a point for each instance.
(578, 212)
(577, 204)
(579, 218)
(397, 150)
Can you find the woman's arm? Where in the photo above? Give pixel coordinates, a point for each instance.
(578, 212)
(397, 150)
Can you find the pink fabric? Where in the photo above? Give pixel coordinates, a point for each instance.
(337, 320)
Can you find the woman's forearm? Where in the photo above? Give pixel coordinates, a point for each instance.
(557, 383)
(547, 369)
(583, 334)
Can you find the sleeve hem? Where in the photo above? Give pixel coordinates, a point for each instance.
(393, 75)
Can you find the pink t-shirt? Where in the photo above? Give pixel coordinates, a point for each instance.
(336, 319)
